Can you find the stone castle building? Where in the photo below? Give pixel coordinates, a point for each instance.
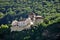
(31, 20)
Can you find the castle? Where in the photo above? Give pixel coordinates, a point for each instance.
(31, 20)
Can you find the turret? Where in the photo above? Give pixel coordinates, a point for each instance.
(32, 16)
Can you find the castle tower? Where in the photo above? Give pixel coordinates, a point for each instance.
(32, 16)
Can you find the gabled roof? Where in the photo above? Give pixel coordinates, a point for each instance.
(38, 17)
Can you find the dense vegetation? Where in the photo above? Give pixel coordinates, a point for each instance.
(14, 9)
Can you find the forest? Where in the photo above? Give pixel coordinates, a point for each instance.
(15, 9)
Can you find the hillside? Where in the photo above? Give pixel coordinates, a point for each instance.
(15, 9)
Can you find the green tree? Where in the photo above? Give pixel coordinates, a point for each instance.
(1, 15)
(4, 26)
(11, 12)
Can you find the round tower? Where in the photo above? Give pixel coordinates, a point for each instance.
(32, 16)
